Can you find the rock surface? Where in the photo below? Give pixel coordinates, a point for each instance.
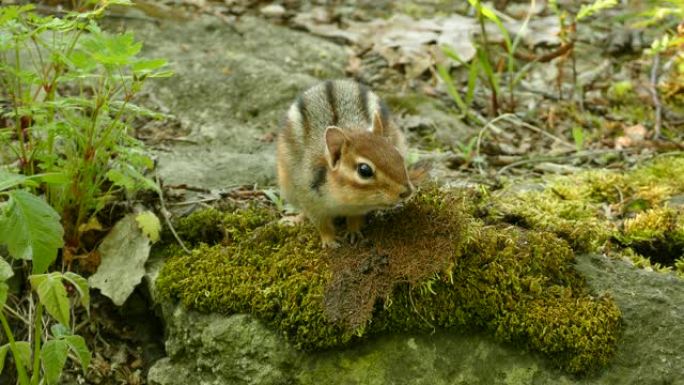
(238, 349)
(232, 84)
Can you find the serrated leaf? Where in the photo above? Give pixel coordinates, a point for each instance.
(24, 352)
(53, 295)
(53, 356)
(120, 179)
(149, 224)
(131, 179)
(3, 353)
(31, 230)
(108, 49)
(78, 345)
(81, 285)
(5, 270)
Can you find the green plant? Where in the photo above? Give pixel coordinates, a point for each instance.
(67, 88)
(578, 135)
(30, 229)
(45, 360)
(482, 62)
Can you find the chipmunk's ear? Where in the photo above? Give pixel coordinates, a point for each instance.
(335, 141)
(378, 127)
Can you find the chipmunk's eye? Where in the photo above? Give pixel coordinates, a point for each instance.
(364, 170)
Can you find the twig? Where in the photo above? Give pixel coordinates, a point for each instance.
(186, 203)
(582, 154)
(166, 217)
(16, 314)
(481, 133)
(654, 94)
(517, 120)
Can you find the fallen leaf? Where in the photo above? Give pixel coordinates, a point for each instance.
(149, 224)
(124, 252)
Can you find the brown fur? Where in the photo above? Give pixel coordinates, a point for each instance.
(339, 124)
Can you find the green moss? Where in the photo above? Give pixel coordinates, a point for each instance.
(215, 226)
(596, 208)
(430, 264)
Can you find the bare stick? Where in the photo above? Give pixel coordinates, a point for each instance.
(166, 217)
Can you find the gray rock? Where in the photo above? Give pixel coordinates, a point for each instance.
(237, 349)
(232, 85)
(272, 10)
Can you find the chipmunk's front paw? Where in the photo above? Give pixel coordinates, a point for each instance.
(292, 220)
(330, 243)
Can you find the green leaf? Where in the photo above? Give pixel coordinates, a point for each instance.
(145, 66)
(578, 136)
(9, 180)
(53, 355)
(5, 270)
(53, 295)
(81, 285)
(78, 345)
(4, 289)
(12, 12)
(3, 353)
(24, 352)
(149, 224)
(596, 6)
(58, 330)
(131, 179)
(117, 50)
(472, 81)
(54, 178)
(451, 88)
(31, 229)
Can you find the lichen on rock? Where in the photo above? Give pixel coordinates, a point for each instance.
(430, 264)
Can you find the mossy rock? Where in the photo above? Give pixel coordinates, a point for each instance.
(430, 264)
(604, 209)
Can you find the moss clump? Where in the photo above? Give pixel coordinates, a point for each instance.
(658, 233)
(448, 270)
(596, 208)
(215, 226)
(574, 219)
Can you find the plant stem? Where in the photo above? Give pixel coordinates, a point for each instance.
(17, 102)
(37, 334)
(21, 371)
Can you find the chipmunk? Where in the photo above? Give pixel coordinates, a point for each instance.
(339, 155)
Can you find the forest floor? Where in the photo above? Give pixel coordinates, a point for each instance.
(571, 98)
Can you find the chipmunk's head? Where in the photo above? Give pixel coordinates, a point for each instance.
(367, 172)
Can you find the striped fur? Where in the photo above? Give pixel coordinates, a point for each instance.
(325, 185)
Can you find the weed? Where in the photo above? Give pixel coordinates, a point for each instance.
(45, 360)
(68, 90)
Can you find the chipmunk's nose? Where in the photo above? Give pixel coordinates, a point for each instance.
(408, 190)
